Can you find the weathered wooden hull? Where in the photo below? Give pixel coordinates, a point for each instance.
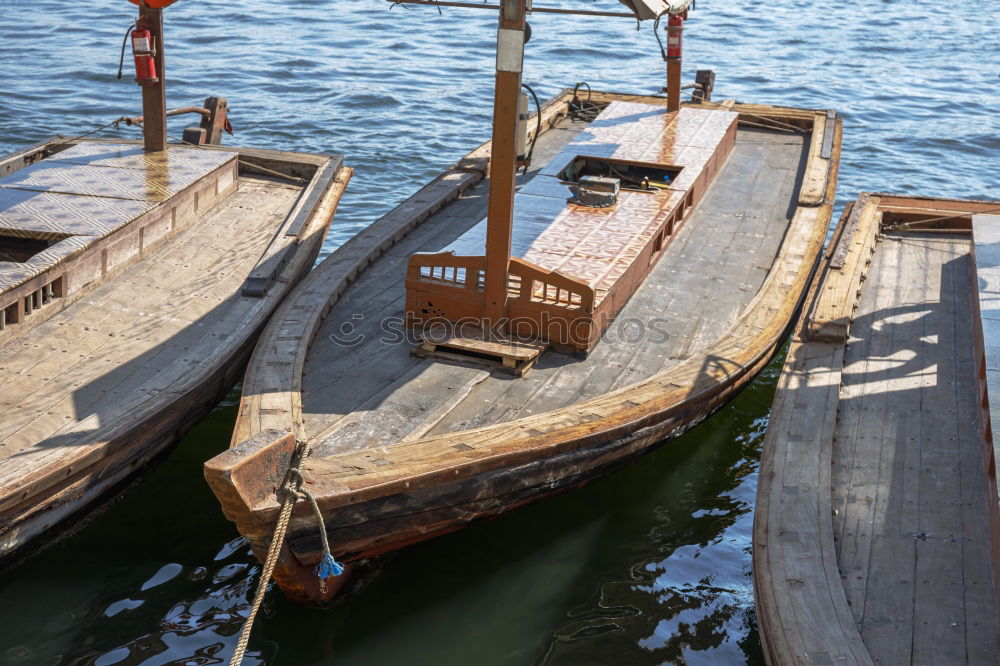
(93, 465)
(383, 498)
(386, 524)
(879, 458)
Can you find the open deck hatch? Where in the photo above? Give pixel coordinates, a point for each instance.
(633, 175)
(20, 249)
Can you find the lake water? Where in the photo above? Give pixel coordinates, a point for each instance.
(649, 566)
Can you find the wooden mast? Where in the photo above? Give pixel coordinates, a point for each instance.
(503, 159)
(511, 37)
(154, 97)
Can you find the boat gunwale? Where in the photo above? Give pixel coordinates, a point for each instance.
(649, 403)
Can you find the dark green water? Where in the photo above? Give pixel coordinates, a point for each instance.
(649, 566)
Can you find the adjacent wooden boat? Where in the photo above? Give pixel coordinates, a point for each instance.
(133, 286)
(404, 447)
(135, 278)
(877, 529)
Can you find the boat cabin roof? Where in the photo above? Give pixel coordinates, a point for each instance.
(55, 208)
(597, 245)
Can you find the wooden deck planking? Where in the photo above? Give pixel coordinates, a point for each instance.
(106, 364)
(137, 304)
(371, 363)
(100, 379)
(939, 601)
(802, 548)
(706, 241)
(395, 419)
(856, 491)
(106, 314)
(939, 610)
(756, 232)
(869, 414)
(113, 400)
(907, 508)
(101, 347)
(794, 554)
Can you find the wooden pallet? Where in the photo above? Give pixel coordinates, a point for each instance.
(513, 356)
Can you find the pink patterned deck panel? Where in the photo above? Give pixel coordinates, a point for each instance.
(597, 245)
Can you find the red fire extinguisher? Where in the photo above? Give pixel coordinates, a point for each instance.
(675, 28)
(144, 54)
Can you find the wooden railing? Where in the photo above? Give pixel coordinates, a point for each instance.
(15, 312)
(542, 304)
(527, 282)
(446, 269)
(530, 283)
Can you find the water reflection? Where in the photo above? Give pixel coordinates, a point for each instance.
(687, 597)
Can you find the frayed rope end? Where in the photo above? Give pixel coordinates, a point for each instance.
(328, 567)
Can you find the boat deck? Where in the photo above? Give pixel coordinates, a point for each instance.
(400, 449)
(876, 512)
(909, 484)
(733, 235)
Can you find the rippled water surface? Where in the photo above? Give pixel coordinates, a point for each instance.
(649, 566)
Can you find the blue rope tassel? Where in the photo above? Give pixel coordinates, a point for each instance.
(328, 567)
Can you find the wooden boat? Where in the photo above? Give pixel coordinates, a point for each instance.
(407, 434)
(877, 531)
(133, 285)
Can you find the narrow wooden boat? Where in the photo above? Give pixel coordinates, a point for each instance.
(424, 394)
(877, 530)
(135, 278)
(405, 448)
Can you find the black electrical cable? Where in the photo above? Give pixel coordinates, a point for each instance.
(538, 124)
(656, 31)
(121, 61)
(582, 110)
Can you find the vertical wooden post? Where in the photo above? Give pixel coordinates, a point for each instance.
(503, 158)
(154, 98)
